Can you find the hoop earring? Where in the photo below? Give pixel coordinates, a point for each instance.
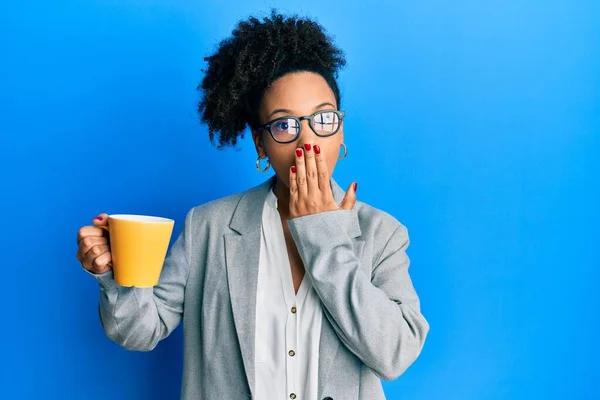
(345, 152)
(266, 167)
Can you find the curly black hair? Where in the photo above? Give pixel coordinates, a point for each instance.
(256, 54)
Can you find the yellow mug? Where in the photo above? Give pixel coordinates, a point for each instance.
(138, 246)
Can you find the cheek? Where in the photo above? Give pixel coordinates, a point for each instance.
(332, 158)
(282, 157)
(282, 160)
(332, 154)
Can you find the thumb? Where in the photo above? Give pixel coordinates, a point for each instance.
(349, 198)
(101, 220)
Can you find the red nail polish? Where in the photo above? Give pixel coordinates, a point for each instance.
(355, 186)
(299, 152)
(307, 146)
(99, 218)
(293, 169)
(317, 149)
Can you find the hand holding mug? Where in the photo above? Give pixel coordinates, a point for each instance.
(93, 246)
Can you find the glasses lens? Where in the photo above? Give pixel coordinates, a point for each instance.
(326, 122)
(285, 129)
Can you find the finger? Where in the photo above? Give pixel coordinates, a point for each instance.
(98, 259)
(312, 177)
(301, 174)
(89, 231)
(96, 251)
(293, 191)
(349, 198)
(322, 172)
(88, 242)
(101, 220)
(102, 263)
(293, 183)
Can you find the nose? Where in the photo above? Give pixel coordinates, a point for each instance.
(307, 136)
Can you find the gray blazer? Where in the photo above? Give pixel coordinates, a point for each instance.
(356, 261)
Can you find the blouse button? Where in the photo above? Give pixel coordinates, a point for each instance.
(292, 396)
(293, 310)
(292, 353)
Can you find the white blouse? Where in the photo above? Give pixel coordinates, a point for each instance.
(288, 325)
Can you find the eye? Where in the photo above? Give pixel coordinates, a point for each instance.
(285, 126)
(326, 117)
(281, 126)
(326, 122)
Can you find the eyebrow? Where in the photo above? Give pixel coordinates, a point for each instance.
(285, 110)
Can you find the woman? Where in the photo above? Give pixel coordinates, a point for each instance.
(291, 289)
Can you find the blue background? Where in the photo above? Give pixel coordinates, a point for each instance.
(475, 123)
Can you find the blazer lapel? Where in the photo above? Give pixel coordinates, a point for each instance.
(329, 342)
(242, 252)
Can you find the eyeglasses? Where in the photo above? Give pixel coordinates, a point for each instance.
(287, 129)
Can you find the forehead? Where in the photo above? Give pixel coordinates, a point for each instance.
(299, 92)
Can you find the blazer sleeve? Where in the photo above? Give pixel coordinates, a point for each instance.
(377, 317)
(138, 318)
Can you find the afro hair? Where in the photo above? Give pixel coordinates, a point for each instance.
(250, 60)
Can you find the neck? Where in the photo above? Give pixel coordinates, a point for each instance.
(282, 192)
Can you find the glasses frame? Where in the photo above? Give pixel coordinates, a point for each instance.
(299, 120)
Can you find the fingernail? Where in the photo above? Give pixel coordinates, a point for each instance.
(299, 152)
(307, 146)
(99, 218)
(293, 169)
(317, 149)
(355, 186)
